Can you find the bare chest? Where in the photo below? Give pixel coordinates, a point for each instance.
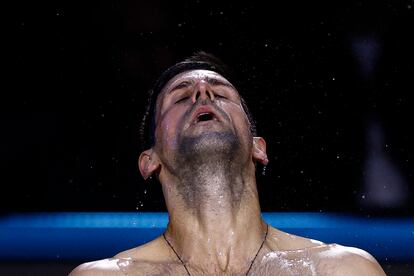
(273, 263)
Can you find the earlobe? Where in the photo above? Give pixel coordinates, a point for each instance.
(148, 163)
(259, 150)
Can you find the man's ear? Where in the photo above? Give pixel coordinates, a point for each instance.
(259, 150)
(148, 163)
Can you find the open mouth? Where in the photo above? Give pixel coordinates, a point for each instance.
(204, 114)
(203, 117)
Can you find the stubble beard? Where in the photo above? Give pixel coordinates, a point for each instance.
(208, 167)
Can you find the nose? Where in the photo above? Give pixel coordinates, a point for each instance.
(202, 91)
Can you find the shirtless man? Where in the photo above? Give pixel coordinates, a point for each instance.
(204, 154)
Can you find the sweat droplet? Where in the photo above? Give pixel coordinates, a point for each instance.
(264, 170)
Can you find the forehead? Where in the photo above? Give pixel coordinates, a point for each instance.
(193, 75)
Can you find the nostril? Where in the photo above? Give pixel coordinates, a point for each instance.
(197, 95)
(204, 95)
(211, 95)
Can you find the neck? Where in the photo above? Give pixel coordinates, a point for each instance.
(221, 229)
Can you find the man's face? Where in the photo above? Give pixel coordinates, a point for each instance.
(200, 105)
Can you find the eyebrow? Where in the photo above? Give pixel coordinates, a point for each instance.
(211, 81)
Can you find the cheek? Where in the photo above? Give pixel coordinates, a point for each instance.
(239, 119)
(241, 126)
(167, 136)
(167, 129)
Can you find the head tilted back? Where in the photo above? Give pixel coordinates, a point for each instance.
(200, 60)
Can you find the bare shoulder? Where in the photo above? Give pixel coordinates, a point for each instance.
(108, 266)
(139, 258)
(339, 260)
(153, 251)
(329, 259)
(280, 240)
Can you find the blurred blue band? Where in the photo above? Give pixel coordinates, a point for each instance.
(91, 236)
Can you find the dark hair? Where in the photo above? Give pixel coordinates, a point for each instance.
(199, 60)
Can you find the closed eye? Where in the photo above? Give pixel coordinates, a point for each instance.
(183, 99)
(220, 96)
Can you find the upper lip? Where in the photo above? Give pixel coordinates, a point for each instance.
(203, 110)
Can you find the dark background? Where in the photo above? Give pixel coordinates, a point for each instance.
(329, 85)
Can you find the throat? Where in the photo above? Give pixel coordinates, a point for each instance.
(223, 259)
(219, 257)
(214, 186)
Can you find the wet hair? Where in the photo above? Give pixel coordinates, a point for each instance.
(199, 60)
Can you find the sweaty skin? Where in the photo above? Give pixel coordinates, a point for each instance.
(204, 157)
(301, 257)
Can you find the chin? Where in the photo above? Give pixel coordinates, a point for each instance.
(211, 143)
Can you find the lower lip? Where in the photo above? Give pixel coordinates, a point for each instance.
(206, 122)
